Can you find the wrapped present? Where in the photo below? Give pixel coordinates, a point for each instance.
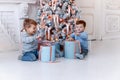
(47, 52)
(71, 48)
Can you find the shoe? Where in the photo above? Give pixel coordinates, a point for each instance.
(79, 56)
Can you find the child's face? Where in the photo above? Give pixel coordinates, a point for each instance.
(79, 28)
(31, 30)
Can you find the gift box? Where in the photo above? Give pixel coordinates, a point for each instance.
(71, 48)
(47, 52)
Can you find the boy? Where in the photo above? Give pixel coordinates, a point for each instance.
(29, 36)
(81, 36)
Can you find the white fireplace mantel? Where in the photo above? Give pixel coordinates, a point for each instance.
(12, 14)
(18, 1)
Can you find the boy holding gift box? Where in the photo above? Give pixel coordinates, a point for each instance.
(29, 36)
(81, 36)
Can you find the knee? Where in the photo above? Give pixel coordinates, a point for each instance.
(30, 57)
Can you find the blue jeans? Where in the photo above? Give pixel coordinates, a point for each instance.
(30, 56)
(59, 52)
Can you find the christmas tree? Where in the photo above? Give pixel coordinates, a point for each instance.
(57, 19)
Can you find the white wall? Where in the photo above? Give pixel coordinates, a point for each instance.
(111, 18)
(9, 26)
(32, 11)
(102, 17)
(10, 22)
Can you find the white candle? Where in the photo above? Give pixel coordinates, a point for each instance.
(40, 3)
(55, 21)
(49, 33)
(67, 29)
(69, 10)
(52, 4)
(46, 35)
(42, 21)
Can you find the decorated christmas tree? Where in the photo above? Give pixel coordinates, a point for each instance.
(57, 19)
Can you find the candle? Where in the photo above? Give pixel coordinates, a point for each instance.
(49, 35)
(40, 3)
(52, 4)
(69, 10)
(42, 18)
(46, 33)
(67, 29)
(56, 21)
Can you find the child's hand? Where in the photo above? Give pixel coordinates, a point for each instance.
(39, 38)
(77, 34)
(70, 39)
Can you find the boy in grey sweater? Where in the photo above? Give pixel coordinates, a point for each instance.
(29, 41)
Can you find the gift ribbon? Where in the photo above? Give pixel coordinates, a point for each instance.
(50, 53)
(77, 42)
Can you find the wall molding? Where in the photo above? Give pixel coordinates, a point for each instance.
(12, 14)
(112, 4)
(91, 25)
(86, 3)
(112, 23)
(17, 1)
